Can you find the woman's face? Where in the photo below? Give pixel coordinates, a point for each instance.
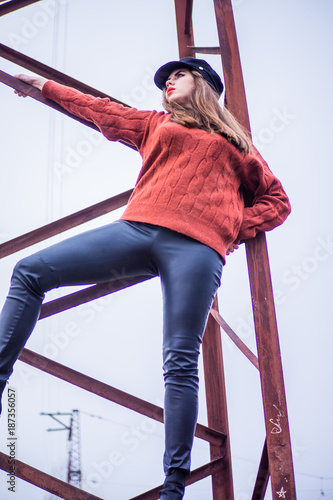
(179, 86)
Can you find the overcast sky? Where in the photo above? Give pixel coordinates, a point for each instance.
(52, 166)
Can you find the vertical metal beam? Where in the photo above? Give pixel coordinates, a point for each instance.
(277, 428)
(271, 376)
(232, 69)
(217, 407)
(184, 27)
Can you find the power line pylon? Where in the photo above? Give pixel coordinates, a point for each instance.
(74, 473)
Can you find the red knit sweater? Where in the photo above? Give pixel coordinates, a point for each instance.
(190, 179)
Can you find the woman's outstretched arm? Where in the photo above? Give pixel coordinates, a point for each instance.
(115, 121)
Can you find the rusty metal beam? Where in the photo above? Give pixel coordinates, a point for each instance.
(262, 476)
(50, 73)
(275, 406)
(216, 402)
(188, 17)
(272, 384)
(61, 225)
(111, 393)
(196, 475)
(9, 7)
(33, 92)
(90, 293)
(44, 481)
(184, 27)
(234, 337)
(232, 69)
(36, 94)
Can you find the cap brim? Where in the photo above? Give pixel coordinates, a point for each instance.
(162, 74)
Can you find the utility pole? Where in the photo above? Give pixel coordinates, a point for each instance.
(74, 473)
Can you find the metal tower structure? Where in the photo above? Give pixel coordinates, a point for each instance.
(74, 473)
(276, 461)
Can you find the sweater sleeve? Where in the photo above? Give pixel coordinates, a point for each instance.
(115, 121)
(270, 206)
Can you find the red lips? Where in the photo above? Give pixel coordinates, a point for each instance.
(170, 89)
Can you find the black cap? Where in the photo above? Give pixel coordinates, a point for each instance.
(190, 63)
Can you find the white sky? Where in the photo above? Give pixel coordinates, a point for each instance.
(51, 168)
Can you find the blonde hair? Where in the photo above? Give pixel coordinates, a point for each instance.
(206, 113)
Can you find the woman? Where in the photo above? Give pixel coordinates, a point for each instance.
(185, 215)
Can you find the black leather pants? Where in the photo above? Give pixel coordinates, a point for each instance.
(190, 274)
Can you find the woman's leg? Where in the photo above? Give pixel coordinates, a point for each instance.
(120, 249)
(190, 274)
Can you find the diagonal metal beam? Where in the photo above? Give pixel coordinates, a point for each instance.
(43, 480)
(50, 73)
(63, 224)
(90, 293)
(262, 476)
(36, 94)
(68, 492)
(234, 337)
(111, 393)
(196, 475)
(9, 7)
(33, 92)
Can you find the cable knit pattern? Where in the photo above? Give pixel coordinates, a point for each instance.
(190, 180)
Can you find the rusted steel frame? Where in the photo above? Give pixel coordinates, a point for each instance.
(275, 409)
(275, 406)
(234, 337)
(196, 475)
(110, 393)
(87, 294)
(232, 69)
(9, 7)
(36, 94)
(216, 402)
(184, 27)
(61, 225)
(44, 481)
(188, 17)
(50, 73)
(262, 476)
(33, 92)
